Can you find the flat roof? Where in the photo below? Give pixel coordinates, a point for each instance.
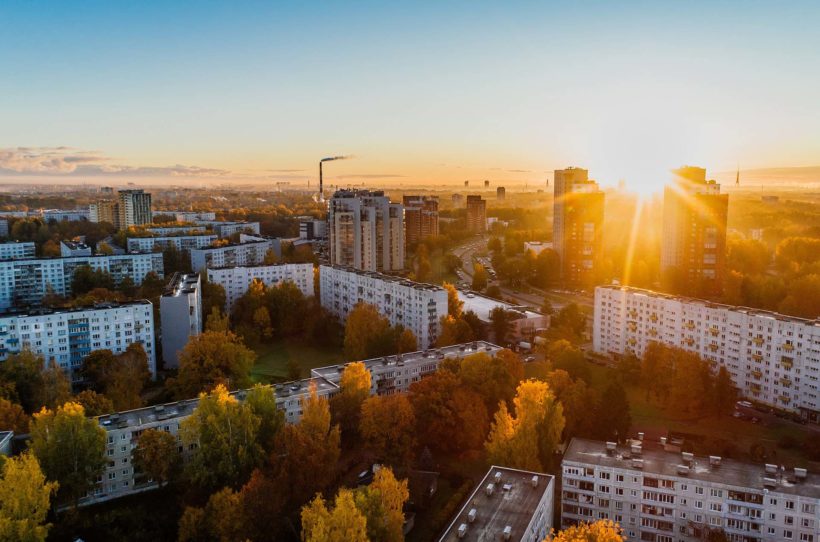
(483, 305)
(658, 461)
(387, 278)
(333, 372)
(43, 311)
(711, 304)
(513, 502)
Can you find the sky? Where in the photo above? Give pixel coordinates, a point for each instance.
(417, 92)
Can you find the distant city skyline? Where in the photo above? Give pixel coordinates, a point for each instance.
(421, 93)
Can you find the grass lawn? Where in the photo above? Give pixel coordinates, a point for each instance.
(272, 360)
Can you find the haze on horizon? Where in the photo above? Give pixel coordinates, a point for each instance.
(420, 92)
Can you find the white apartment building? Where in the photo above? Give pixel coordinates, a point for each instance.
(66, 337)
(74, 248)
(366, 231)
(773, 359)
(134, 208)
(16, 250)
(414, 305)
(175, 230)
(180, 308)
(237, 280)
(232, 255)
(4, 227)
(508, 504)
(69, 215)
(226, 229)
(23, 283)
(188, 216)
(163, 242)
(389, 375)
(667, 496)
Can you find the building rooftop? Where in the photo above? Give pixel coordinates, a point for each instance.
(735, 308)
(483, 305)
(258, 266)
(654, 459)
(75, 245)
(181, 283)
(234, 245)
(511, 503)
(44, 311)
(387, 278)
(333, 372)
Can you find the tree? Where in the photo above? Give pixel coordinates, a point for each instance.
(382, 503)
(70, 449)
(571, 320)
(24, 372)
(628, 368)
(423, 267)
(262, 402)
(494, 378)
(363, 328)
(450, 417)
(225, 434)
(725, 393)
(156, 455)
(13, 417)
(221, 520)
(501, 324)
(613, 419)
(354, 388)
(547, 308)
(105, 249)
(95, 404)
(454, 331)
(217, 321)
(528, 439)
(479, 277)
(603, 530)
(579, 401)
(407, 342)
(120, 377)
(494, 244)
(387, 428)
(344, 523)
(262, 322)
(86, 279)
(213, 358)
(270, 257)
(25, 499)
(213, 296)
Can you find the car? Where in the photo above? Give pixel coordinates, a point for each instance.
(745, 404)
(529, 359)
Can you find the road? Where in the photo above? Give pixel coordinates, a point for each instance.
(559, 299)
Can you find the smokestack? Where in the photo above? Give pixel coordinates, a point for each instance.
(328, 159)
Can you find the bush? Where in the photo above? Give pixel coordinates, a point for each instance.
(788, 442)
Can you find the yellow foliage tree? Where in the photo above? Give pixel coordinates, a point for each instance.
(25, 498)
(344, 523)
(599, 531)
(382, 504)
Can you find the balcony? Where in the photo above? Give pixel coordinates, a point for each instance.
(788, 347)
(757, 357)
(690, 325)
(758, 341)
(785, 400)
(653, 317)
(713, 347)
(786, 382)
(787, 363)
(653, 332)
(755, 387)
(757, 373)
(689, 341)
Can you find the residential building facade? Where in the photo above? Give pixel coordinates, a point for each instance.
(180, 308)
(577, 225)
(182, 243)
(693, 248)
(416, 306)
(17, 250)
(366, 231)
(668, 496)
(420, 218)
(66, 337)
(237, 280)
(232, 255)
(24, 283)
(134, 208)
(772, 358)
(226, 229)
(476, 214)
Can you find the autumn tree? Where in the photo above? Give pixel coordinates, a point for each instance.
(387, 428)
(603, 530)
(454, 304)
(262, 402)
(724, 392)
(382, 504)
(494, 378)
(25, 499)
(120, 377)
(501, 324)
(579, 401)
(213, 358)
(454, 331)
(70, 449)
(95, 404)
(13, 417)
(156, 455)
(479, 277)
(450, 417)
(354, 388)
(528, 437)
(613, 419)
(225, 434)
(342, 523)
(216, 321)
(220, 520)
(213, 296)
(24, 372)
(364, 324)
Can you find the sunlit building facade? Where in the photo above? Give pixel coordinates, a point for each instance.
(577, 225)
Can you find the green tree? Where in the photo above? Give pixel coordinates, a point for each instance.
(725, 393)
(25, 499)
(613, 418)
(156, 456)
(262, 402)
(213, 358)
(501, 325)
(24, 372)
(70, 449)
(225, 434)
(213, 296)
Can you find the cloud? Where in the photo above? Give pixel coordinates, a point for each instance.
(68, 161)
(370, 176)
(285, 170)
(520, 170)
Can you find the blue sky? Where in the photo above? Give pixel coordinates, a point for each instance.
(433, 91)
